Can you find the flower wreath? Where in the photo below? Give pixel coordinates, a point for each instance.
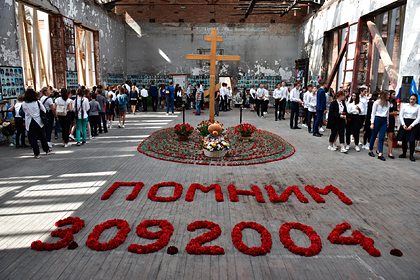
(254, 251)
(285, 195)
(163, 236)
(65, 234)
(358, 238)
(194, 246)
(216, 187)
(153, 191)
(316, 244)
(93, 243)
(314, 192)
(133, 195)
(233, 193)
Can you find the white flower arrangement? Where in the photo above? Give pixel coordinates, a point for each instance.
(218, 144)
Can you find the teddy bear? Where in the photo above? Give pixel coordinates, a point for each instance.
(215, 131)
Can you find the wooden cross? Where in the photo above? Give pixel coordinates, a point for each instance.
(213, 58)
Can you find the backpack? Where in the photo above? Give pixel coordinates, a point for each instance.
(61, 109)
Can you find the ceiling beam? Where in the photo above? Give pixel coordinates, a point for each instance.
(250, 8)
(289, 8)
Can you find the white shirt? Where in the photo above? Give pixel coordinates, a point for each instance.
(340, 107)
(144, 93)
(79, 104)
(276, 94)
(311, 102)
(364, 101)
(17, 108)
(31, 110)
(127, 87)
(351, 108)
(114, 96)
(66, 103)
(201, 89)
(305, 98)
(179, 93)
(260, 93)
(408, 112)
(47, 103)
(379, 111)
(284, 93)
(294, 95)
(223, 92)
(266, 95)
(253, 92)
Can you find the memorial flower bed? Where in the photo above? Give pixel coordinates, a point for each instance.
(264, 147)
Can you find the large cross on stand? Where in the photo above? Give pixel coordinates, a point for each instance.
(213, 58)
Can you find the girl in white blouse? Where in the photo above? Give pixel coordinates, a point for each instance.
(379, 123)
(409, 130)
(354, 122)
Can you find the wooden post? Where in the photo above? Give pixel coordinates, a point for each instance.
(28, 46)
(22, 40)
(386, 59)
(392, 18)
(338, 61)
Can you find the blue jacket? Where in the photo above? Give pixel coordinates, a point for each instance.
(171, 92)
(153, 90)
(321, 100)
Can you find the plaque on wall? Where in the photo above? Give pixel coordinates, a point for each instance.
(11, 82)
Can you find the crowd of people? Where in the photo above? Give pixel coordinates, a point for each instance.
(346, 115)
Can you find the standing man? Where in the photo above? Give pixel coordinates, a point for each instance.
(321, 107)
(223, 96)
(216, 102)
(198, 100)
(252, 93)
(102, 104)
(229, 98)
(170, 93)
(295, 101)
(276, 96)
(153, 91)
(144, 94)
(284, 93)
(364, 101)
(305, 107)
(188, 97)
(260, 99)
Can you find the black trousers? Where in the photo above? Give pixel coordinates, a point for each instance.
(20, 131)
(202, 101)
(282, 110)
(144, 101)
(340, 132)
(311, 116)
(264, 106)
(405, 147)
(276, 107)
(294, 114)
(102, 117)
(228, 104)
(49, 126)
(305, 115)
(35, 133)
(258, 103)
(65, 127)
(353, 127)
(224, 103)
(154, 103)
(216, 107)
(94, 122)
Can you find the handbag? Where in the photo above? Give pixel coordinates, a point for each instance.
(42, 114)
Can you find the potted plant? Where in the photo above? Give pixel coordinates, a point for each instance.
(215, 148)
(246, 130)
(183, 131)
(7, 128)
(203, 127)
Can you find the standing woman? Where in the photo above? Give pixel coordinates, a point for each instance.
(81, 108)
(409, 130)
(134, 99)
(178, 94)
(33, 123)
(265, 102)
(65, 120)
(110, 108)
(379, 123)
(393, 112)
(368, 131)
(122, 102)
(354, 109)
(252, 93)
(337, 121)
(162, 91)
(48, 103)
(311, 104)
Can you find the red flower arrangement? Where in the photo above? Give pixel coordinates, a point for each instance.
(153, 191)
(65, 234)
(285, 195)
(93, 243)
(245, 129)
(314, 192)
(183, 129)
(216, 187)
(358, 238)
(316, 244)
(195, 247)
(254, 251)
(133, 195)
(163, 236)
(233, 193)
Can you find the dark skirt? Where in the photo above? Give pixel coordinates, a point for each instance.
(251, 100)
(406, 135)
(133, 102)
(391, 126)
